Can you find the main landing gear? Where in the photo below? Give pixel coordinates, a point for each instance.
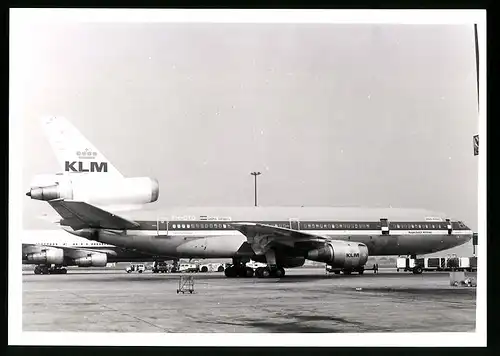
(44, 269)
(239, 269)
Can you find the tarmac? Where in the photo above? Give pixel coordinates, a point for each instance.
(306, 300)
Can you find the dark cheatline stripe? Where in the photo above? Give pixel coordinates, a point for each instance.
(304, 225)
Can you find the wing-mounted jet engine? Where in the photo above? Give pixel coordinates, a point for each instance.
(92, 260)
(348, 256)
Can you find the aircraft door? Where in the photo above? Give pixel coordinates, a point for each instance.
(384, 226)
(294, 224)
(162, 227)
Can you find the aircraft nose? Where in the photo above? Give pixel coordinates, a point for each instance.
(28, 194)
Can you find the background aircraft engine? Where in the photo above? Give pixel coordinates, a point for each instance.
(93, 260)
(341, 254)
(99, 190)
(48, 257)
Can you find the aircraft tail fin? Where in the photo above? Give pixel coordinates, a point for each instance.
(74, 152)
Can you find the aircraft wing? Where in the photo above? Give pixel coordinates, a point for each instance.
(262, 236)
(71, 252)
(79, 215)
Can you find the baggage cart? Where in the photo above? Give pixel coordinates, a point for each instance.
(186, 284)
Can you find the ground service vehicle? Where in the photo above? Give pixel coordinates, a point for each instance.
(188, 267)
(450, 263)
(160, 267)
(212, 267)
(136, 268)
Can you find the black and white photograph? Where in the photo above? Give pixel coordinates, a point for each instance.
(285, 177)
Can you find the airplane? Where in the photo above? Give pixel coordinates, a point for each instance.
(62, 250)
(281, 237)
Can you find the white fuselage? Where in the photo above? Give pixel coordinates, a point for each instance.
(205, 232)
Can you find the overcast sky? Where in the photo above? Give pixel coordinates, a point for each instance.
(372, 115)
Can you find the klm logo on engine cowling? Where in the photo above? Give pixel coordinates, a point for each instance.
(76, 166)
(351, 255)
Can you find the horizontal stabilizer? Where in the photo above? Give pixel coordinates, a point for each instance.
(80, 215)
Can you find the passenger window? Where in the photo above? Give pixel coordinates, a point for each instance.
(355, 226)
(206, 226)
(211, 226)
(188, 226)
(174, 226)
(224, 226)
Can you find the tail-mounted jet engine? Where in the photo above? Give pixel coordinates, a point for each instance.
(341, 254)
(98, 190)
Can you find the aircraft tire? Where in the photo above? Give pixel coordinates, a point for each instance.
(279, 273)
(417, 270)
(265, 272)
(220, 269)
(249, 272)
(230, 272)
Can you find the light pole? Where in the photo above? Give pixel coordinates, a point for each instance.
(255, 174)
